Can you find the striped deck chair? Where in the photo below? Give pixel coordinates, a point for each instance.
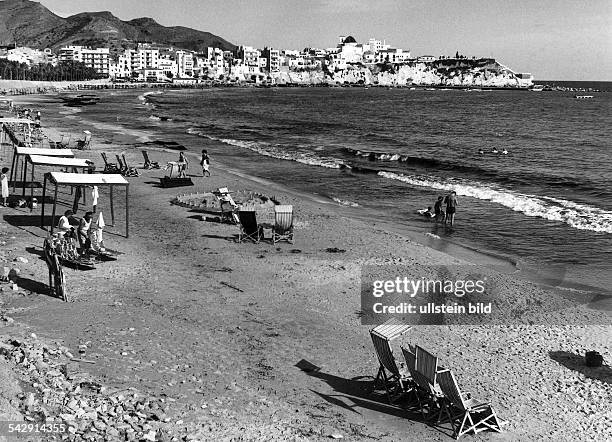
(420, 385)
(249, 229)
(473, 414)
(109, 167)
(283, 224)
(148, 164)
(388, 374)
(127, 170)
(427, 370)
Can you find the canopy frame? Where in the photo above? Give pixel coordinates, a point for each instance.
(21, 151)
(54, 179)
(40, 160)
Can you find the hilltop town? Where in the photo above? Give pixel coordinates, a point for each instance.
(348, 63)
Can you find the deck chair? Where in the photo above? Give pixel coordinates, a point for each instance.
(148, 164)
(249, 229)
(283, 224)
(426, 377)
(109, 167)
(84, 143)
(394, 382)
(128, 170)
(228, 213)
(473, 415)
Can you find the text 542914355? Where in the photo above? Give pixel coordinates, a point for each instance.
(15, 428)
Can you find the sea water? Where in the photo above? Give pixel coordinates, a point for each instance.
(386, 153)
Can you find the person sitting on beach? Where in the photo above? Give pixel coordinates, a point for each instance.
(4, 182)
(64, 228)
(83, 231)
(426, 213)
(495, 150)
(451, 207)
(504, 152)
(205, 163)
(438, 212)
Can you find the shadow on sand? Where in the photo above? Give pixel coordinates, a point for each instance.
(353, 394)
(576, 362)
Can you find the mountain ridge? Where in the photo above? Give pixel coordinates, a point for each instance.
(30, 23)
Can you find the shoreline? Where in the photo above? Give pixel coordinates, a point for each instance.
(165, 301)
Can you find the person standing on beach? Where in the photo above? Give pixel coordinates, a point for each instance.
(451, 207)
(4, 181)
(183, 165)
(438, 212)
(205, 163)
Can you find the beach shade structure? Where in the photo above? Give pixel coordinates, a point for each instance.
(466, 414)
(84, 143)
(108, 166)
(16, 128)
(283, 224)
(148, 164)
(388, 372)
(78, 180)
(249, 229)
(42, 160)
(20, 152)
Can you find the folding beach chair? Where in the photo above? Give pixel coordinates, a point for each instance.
(128, 170)
(84, 143)
(426, 377)
(283, 224)
(473, 414)
(228, 213)
(388, 373)
(148, 164)
(109, 167)
(249, 229)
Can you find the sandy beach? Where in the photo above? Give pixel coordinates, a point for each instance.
(222, 331)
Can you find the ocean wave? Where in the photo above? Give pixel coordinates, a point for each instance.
(576, 215)
(277, 152)
(345, 202)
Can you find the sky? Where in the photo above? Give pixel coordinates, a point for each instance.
(552, 39)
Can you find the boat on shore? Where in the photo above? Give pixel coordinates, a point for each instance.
(81, 100)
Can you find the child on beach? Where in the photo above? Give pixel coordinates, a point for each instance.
(438, 212)
(5, 185)
(205, 163)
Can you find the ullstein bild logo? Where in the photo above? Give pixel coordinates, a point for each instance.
(431, 299)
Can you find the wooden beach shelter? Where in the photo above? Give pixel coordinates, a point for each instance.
(9, 124)
(44, 160)
(23, 152)
(80, 179)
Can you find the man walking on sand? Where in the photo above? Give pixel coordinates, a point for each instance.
(451, 207)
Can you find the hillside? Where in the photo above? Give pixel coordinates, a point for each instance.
(30, 24)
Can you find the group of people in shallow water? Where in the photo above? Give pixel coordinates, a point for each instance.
(438, 213)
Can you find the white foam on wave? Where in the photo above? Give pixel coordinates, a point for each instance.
(345, 202)
(276, 151)
(578, 216)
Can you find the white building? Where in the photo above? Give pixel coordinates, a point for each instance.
(184, 62)
(97, 59)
